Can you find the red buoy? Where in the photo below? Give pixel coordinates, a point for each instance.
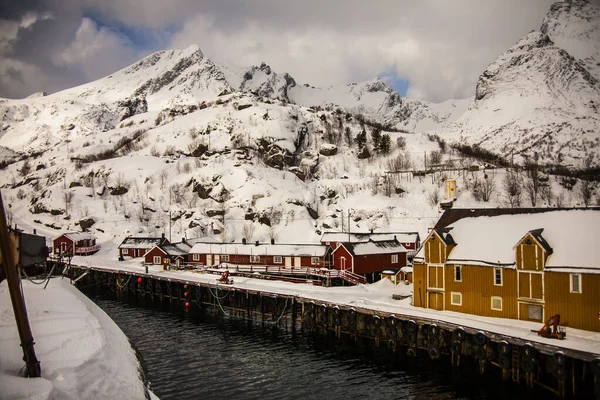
(185, 286)
(187, 304)
(185, 294)
(139, 280)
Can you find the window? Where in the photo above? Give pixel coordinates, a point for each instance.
(457, 273)
(575, 283)
(156, 260)
(125, 251)
(456, 299)
(535, 312)
(196, 257)
(498, 276)
(225, 258)
(394, 258)
(277, 259)
(496, 303)
(255, 259)
(314, 260)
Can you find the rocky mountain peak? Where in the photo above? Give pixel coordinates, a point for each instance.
(574, 26)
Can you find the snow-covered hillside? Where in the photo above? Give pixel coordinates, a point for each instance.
(179, 145)
(542, 96)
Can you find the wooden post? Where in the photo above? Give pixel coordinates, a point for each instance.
(14, 287)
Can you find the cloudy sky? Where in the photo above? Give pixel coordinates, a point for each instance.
(427, 49)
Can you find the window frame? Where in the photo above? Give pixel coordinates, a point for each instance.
(314, 260)
(496, 270)
(459, 269)
(277, 259)
(125, 252)
(572, 280)
(254, 259)
(195, 257)
(159, 260)
(492, 303)
(394, 258)
(224, 257)
(452, 294)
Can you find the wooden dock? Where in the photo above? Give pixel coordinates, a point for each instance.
(566, 372)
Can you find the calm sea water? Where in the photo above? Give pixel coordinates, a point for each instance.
(194, 357)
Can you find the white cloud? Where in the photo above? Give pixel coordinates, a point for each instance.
(96, 50)
(441, 47)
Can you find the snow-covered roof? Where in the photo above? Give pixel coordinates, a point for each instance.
(311, 250)
(570, 234)
(390, 271)
(402, 237)
(406, 269)
(77, 236)
(133, 242)
(375, 247)
(205, 239)
(175, 249)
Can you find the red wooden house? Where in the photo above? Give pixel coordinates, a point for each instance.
(134, 247)
(175, 254)
(284, 255)
(75, 243)
(369, 258)
(410, 240)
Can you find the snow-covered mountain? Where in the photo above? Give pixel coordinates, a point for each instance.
(177, 140)
(542, 96)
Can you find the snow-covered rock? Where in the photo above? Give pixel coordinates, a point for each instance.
(539, 98)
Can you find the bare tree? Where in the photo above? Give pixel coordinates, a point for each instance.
(482, 190)
(271, 233)
(433, 197)
(512, 184)
(68, 198)
(177, 193)
(163, 178)
(25, 168)
(389, 184)
(560, 200)
(586, 191)
(435, 157)
(532, 191)
(248, 231)
(9, 215)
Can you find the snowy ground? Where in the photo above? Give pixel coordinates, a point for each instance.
(82, 352)
(376, 296)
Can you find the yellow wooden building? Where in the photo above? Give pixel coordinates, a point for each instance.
(521, 264)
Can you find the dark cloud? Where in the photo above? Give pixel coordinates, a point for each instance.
(46, 42)
(14, 74)
(15, 10)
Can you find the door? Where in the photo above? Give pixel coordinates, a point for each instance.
(217, 259)
(297, 261)
(342, 263)
(531, 312)
(436, 301)
(177, 263)
(209, 260)
(288, 261)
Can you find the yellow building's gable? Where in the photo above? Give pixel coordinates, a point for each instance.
(530, 255)
(436, 250)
